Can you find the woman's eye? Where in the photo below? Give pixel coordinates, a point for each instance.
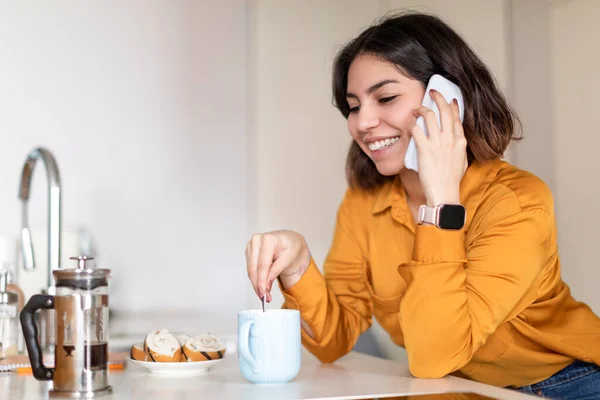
(354, 109)
(384, 100)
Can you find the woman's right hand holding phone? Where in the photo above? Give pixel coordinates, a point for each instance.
(270, 255)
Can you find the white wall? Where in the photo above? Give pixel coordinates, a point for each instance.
(143, 105)
(576, 84)
(533, 90)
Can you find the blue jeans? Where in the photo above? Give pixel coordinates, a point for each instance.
(577, 381)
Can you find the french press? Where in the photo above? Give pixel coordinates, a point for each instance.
(81, 351)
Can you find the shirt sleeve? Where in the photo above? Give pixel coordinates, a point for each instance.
(458, 294)
(336, 305)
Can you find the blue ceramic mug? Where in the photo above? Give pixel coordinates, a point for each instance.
(269, 345)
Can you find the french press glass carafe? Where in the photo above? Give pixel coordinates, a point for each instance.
(81, 352)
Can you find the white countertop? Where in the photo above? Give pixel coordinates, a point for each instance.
(355, 376)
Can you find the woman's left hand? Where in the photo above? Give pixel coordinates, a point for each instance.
(442, 154)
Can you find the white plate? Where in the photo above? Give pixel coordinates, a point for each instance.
(177, 368)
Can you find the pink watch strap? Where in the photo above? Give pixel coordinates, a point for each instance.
(427, 215)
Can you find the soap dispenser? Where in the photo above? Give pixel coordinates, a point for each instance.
(9, 318)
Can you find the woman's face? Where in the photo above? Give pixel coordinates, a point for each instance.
(382, 101)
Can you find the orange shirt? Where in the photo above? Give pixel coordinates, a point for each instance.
(487, 301)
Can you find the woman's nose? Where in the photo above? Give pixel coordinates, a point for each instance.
(367, 118)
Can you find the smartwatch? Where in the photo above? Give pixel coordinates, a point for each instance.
(444, 216)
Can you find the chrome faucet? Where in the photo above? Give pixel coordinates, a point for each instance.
(54, 223)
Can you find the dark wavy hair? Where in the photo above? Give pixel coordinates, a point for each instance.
(421, 45)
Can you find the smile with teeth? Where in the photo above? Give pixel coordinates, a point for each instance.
(382, 144)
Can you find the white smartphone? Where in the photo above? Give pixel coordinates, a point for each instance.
(450, 91)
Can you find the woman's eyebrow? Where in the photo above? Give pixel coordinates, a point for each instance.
(374, 87)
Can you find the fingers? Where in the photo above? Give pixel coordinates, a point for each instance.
(460, 141)
(268, 247)
(446, 117)
(252, 254)
(268, 255)
(283, 261)
(267, 276)
(260, 254)
(431, 121)
(419, 136)
(457, 124)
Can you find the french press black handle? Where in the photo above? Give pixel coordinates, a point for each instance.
(30, 333)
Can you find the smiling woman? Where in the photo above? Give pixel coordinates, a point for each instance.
(404, 66)
(380, 116)
(459, 262)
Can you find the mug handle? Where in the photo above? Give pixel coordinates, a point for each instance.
(244, 346)
(30, 333)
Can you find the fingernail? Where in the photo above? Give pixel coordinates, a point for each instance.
(432, 91)
(455, 101)
(270, 285)
(260, 293)
(415, 113)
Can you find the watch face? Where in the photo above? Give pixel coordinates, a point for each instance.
(451, 216)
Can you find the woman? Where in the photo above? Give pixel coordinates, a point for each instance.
(481, 297)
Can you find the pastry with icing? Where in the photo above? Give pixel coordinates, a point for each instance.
(203, 347)
(162, 346)
(138, 353)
